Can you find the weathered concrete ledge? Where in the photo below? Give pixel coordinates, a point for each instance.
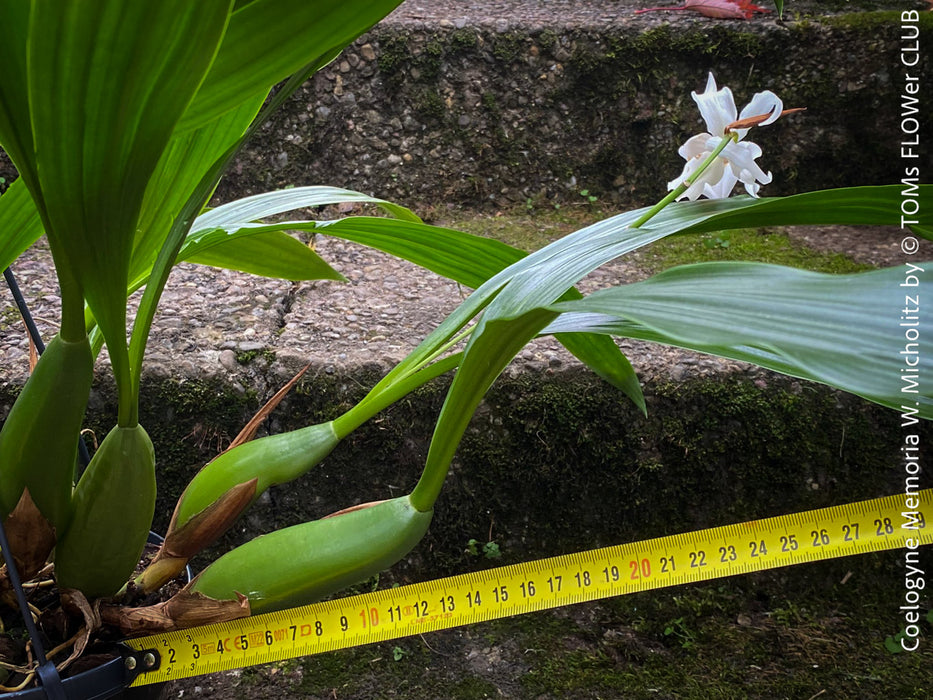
(552, 463)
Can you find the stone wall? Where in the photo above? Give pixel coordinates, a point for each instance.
(515, 112)
(504, 115)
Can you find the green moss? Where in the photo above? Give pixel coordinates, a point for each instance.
(394, 52)
(628, 62)
(430, 105)
(10, 318)
(508, 47)
(247, 356)
(430, 60)
(491, 104)
(547, 39)
(761, 245)
(462, 40)
(872, 21)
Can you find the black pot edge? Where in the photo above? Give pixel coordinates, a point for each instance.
(105, 681)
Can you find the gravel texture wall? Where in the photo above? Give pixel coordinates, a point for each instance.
(516, 110)
(529, 102)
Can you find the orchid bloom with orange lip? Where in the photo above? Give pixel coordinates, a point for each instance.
(737, 160)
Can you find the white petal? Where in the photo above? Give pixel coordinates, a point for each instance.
(672, 185)
(764, 103)
(752, 188)
(741, 157)
(695, 146)
(710, 177)
(723, 188)
(717, 107)
(689, 167)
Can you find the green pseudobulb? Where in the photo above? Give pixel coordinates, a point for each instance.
(113, 506)
(303, 563)
(39, 440)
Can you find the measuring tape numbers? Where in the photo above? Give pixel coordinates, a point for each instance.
(855, 528)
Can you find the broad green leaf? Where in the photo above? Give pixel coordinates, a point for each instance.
(514, 301)
(108, 82)
(544, 275)
(15, 131)
(471, 261)
(923, 231)
(269, 253)
(486, 355)
(20, 225)
(269, 40)
(848, 331)
(182, 166)
(261, 206)
(605, 358)
(465, 258)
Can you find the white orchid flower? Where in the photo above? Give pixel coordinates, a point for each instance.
(736, 162)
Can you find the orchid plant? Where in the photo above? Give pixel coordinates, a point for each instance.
(121, 118)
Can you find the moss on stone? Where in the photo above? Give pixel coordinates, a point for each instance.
(430, 105)
(509, 46)
(463, 40)
(394, 51)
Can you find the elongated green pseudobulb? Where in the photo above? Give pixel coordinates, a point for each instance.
(39, 440)
(303, 563)
(114, 503)
(271, 460)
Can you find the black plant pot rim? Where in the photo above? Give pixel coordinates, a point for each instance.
(104, 681)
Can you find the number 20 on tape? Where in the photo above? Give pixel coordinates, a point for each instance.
(757, 545)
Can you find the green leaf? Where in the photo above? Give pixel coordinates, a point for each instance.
(847, 331)
(514, 301)
(15, 128)
(184, 163)
(181, 225)
(268, 40)
(259, 250)
(472, 261)
(261, 206)
(20, 225)
(108, 81)
(465, 258)
(226, 237)
(546, 274)
(491, 347)
(603, 356)
(923, 231)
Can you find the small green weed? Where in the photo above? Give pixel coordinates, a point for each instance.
(490, 550)
(678, 630)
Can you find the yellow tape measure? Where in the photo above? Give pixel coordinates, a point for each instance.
(855, 528)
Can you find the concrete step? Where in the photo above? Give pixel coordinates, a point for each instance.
(506, 102)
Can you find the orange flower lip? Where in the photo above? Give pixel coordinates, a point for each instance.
(749, 122)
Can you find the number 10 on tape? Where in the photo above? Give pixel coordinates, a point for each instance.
(855, 528)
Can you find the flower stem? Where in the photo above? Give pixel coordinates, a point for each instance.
(385, 394)
(682, 187)
(376, 402)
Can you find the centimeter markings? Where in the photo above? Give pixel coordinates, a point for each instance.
(855, 528)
